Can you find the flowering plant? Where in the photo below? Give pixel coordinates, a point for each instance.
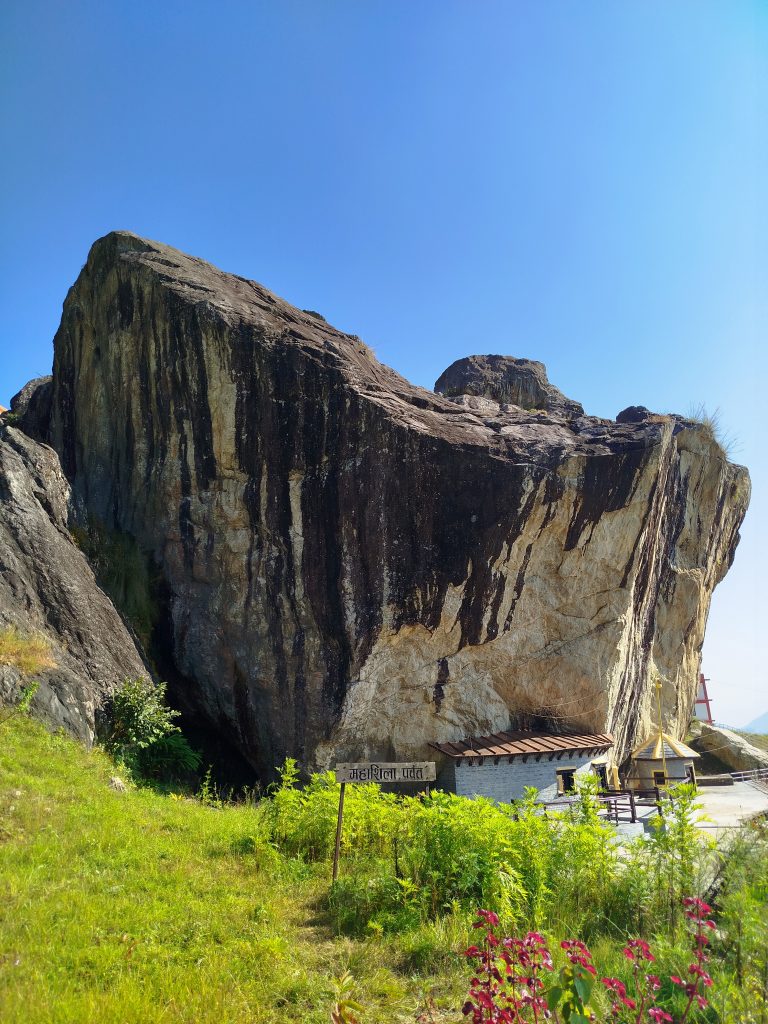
(509, 986)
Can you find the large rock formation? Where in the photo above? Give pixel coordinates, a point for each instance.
(47, 588)
(732, 749)
(356, 566)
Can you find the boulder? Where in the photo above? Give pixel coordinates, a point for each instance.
(634, 414)
(732, 749)
(508, 381)
(355, 567)
(31, 407)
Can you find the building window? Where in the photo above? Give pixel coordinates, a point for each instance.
(566, 781)
(659, 778)
(601, 771)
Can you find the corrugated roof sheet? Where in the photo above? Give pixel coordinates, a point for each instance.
(661, 746)
(511, 744)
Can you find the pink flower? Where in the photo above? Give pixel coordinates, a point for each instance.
(619, 989)
(700, 973)
(487, 918)
(643, 950)
(658, 1015)
(694, 903)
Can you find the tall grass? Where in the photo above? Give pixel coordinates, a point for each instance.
(407, 861)
(712, 424)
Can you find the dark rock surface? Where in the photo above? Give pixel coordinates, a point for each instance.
(634, 414)
(32, 407)
(506, 380)
(355, 566)
(48, 588)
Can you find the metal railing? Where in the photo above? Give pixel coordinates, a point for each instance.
(615, 801)
(756, 775)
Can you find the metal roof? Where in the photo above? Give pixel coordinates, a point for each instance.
(660, 746)
(513, 744)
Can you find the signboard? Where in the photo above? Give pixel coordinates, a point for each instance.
(376, 771)
(386, 771)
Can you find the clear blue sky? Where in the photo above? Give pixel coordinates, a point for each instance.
(581, 183)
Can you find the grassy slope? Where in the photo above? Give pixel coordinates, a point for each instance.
(123, 907)
(756, 739)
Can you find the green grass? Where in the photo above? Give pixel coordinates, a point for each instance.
(150, 907)
(137, 906)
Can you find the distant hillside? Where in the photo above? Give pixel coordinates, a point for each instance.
(759, 725)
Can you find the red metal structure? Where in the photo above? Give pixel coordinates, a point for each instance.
(703, 710)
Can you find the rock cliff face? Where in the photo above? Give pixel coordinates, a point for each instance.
(48, 588)
(356, 566)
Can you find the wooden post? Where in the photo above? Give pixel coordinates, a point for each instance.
(657, 794)
(632, 806)
(338, 832)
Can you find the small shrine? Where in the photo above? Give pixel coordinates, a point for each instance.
(661, 761)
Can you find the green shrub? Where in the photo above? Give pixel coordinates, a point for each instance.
(169, 757)
(141, 732)
(138, 716)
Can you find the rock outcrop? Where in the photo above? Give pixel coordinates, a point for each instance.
(47, 588)
(506, 381)
(356, 566)
(732, 749)
(31, 407)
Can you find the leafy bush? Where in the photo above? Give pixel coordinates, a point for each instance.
(141, 732)
(169, 757)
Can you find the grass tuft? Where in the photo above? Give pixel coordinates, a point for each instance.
(28, 653)
(712, 424)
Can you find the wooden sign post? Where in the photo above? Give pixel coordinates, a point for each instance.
(376, 771)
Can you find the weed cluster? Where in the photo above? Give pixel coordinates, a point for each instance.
(411, 860)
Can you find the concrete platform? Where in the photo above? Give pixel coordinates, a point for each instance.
(730, 807)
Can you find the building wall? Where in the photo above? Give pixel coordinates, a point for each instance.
(641, 775)
(507, 780)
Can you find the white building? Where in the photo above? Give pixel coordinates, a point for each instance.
(501, 766)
